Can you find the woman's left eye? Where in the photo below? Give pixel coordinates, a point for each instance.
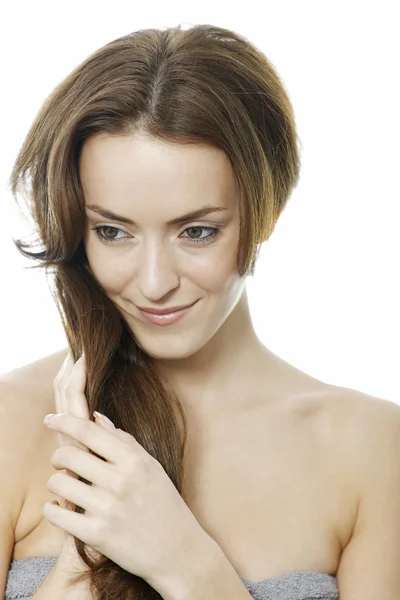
(207, 239)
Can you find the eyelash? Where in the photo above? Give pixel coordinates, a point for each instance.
(207, 239)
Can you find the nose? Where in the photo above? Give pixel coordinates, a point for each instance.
(156, 271)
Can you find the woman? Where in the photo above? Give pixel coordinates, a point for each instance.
(229, 473)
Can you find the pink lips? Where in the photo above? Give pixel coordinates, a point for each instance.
(167, 319)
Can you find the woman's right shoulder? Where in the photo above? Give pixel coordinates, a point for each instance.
(26, 395)
(34, 375)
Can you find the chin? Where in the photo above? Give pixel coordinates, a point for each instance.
(169, 354)
(173, 348)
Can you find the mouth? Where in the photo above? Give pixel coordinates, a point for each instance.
(168, 318)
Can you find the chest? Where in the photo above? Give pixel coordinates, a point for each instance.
(265, 489)
(270, 493)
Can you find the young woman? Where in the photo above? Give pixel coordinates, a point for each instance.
(157, 169)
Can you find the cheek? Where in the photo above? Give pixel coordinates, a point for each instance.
(221, 278)
(113, 281)
(219, 273)
(112, 275)
(215, 279)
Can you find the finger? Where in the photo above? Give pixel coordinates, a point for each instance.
(76, 524)
(59, 383)
(74, 391)
(86, 496)
(99, 472)
(73, 407)
(111, 446)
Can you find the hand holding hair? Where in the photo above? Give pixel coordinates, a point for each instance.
(134, 515)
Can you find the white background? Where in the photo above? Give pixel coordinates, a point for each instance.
(325, 295)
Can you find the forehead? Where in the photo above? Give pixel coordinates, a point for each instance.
(117, 168)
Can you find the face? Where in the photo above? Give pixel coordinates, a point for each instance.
(151, 262)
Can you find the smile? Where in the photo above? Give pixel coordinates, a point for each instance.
(168, 319)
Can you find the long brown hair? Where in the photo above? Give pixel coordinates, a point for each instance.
(205, 84)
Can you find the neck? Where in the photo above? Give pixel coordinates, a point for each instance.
(226, 371)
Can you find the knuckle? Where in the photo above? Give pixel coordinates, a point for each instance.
(105, 505)
(132, 462)
(120, 486)
(137, 462)
(124, 436)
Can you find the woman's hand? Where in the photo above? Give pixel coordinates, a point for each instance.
(134, 515)
(73, 402)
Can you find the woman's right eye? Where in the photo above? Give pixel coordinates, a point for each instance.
(105, 238)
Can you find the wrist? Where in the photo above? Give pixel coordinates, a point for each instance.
(70, 565)
(202, 562)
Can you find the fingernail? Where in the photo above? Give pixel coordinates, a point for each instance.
(103, 418)
(49, 418)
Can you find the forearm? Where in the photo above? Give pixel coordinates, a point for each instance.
(214, 578)
(55, 584)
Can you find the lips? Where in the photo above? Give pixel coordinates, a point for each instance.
(164, 311)
(167, 319)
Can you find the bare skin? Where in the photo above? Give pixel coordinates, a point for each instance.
(268, 474)
(269, 483)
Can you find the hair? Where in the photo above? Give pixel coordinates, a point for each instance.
(207, 85)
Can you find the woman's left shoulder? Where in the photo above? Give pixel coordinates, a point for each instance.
(337, 413)
(362, 433)
(359, 440)
(360, 417)
(368, 468)
(356, 429)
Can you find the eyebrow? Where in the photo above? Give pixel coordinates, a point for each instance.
(192, 216)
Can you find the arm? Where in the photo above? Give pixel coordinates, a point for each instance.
(212, 577)
(55, 585)
(215, 578)
(370, 563)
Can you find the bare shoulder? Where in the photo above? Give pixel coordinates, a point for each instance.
(357, 439)
(37, 375)
(28, 390)
(369, 432)
(362, 419)
(356, 425)
(364, 438)
(26, 395)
